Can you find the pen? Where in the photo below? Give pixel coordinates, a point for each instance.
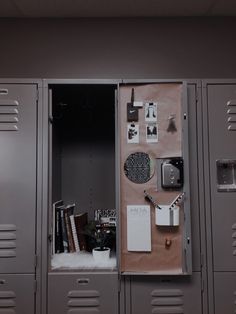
(150, 199)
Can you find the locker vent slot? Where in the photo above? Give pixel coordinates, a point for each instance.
(83, 311)
(9, 115)
(234, 241)
(234, 301)
(231, 113)
(83, 302)
(167, 301)
(7, 240)
(7, 302)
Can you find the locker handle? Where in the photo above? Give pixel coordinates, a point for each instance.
(2, 281)
(3, 91)
(166, 280)
(83, 281)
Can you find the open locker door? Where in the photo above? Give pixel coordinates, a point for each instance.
(155, 235)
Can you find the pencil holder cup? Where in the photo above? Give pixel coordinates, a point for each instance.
(167, 216)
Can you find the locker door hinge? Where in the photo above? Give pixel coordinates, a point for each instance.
(35, 261)
(116, 98)
(202, 285)
(35, 286)
(119, 283)
(202, 260)
(197, 95)
(37, 95)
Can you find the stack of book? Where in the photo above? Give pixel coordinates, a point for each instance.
(67, 229)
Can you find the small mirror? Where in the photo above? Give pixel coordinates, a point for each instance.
(139, 167)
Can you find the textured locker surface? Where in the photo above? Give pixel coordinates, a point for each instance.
(83, 311)
(167, 301)
(18, 177)
(234, 239)
(7, 294)
(172, 295)
(16, 294)
(168, 310)
(221, 146)
(8, 115)
(98, 295)
(8, 102)
(83, 294)
(7, 303)
(7, 118)
(81, 302)
(7, 240)
(231, 115)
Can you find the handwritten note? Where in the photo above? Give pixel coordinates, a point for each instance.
(138, 228)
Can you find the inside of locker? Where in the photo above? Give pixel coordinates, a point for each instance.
(83, 169)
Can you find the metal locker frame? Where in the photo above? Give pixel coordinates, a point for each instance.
(46, 177)
(37, 273)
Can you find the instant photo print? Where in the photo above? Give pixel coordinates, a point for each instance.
(151, 112)
(132, 133)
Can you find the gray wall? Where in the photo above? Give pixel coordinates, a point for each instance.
(118, 48)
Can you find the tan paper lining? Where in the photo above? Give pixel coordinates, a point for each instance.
(168, 98)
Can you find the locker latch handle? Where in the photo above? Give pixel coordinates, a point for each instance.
(3, 91)
(2, 281)
(83, 281)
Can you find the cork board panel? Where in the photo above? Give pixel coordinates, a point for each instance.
(161, 259)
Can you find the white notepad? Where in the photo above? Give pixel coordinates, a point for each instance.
(138, 228)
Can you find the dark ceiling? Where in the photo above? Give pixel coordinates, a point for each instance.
(116, 8)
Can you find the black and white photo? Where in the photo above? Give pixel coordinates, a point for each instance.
(152, 133)
(132, 133)
(151, 112)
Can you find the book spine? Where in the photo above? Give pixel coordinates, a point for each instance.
(74, 233)
(80, 221)
(69, 232)
(58, 232)
(64, 232)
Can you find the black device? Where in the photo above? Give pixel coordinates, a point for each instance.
(132, 112)
(172, 173)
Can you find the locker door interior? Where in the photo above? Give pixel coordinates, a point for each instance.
(18, 104)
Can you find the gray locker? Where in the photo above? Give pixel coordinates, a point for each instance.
(225, 292)
(83, 293)
(18, 123)
(17, 294)
(162, 295)
(222, 153)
